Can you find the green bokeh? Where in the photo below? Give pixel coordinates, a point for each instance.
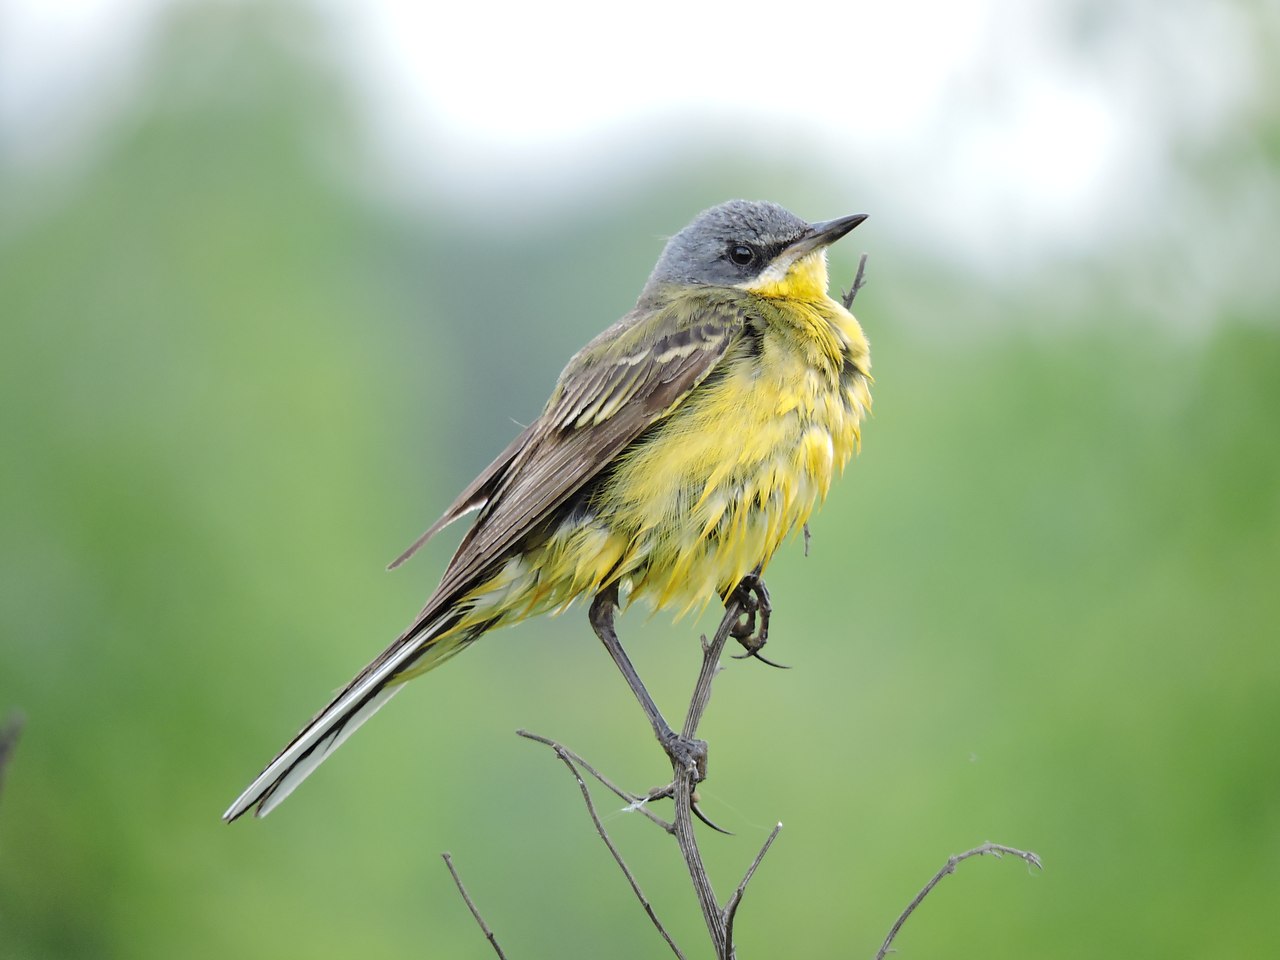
(1041, 608)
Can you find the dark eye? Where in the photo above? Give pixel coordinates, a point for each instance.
(741, 254)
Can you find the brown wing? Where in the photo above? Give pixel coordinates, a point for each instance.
(621, 383)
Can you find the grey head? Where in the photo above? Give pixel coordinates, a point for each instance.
(733, 243)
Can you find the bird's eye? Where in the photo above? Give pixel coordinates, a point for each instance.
(741, 254)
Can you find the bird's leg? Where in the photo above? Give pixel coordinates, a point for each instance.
(685, 753)
(752, 628)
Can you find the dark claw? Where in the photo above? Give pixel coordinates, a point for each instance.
(703, 817)
(755, 655)
(753, 597)
(744, 631)
(668, 793)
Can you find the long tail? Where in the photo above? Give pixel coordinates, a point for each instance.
(416, 651)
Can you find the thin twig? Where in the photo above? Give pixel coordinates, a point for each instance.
(635, 802)
(685, 777)
(617, 856)
(859, 282)
(466, 897)
(995, 849)
(731, 908)
(9, 739)
(681, 791)
(710, 667)
(685, 781)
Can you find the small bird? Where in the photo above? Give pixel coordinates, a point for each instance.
(677, 451)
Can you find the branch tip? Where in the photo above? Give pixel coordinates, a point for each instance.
(471, 905)
(859, 281)
(731, 908)
(997, 850)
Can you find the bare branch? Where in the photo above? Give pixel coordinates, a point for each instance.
(570, 760)
(635, 802)
(685, 776)
(995, 849)
(710, 667)
(731, 908)
(622, 864)
(685, 781)
(466, 898)
(859, 281)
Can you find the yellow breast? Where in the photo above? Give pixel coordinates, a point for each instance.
(709, 492)
(740, 464)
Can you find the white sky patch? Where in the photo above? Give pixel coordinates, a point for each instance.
(996, 130)
(906, 96)
(63, 64)
(538, 74)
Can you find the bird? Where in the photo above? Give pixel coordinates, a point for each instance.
(678, 450)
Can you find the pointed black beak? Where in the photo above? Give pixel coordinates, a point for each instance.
(822, 234)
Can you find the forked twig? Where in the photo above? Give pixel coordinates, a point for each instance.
(731, 908)
(995, 849)
(719, 919)
(635, 802)
(466, 897)
(563, 754)
(859, 281)
(684, 783)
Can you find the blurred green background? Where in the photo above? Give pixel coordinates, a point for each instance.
(240, 374)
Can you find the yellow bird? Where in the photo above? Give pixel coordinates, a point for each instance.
(678, 450)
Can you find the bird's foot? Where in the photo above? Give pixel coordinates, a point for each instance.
(686, 754)
(752, 628)
(689, 756)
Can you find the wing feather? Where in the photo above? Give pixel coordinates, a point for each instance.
(621, 383)
(628, 378)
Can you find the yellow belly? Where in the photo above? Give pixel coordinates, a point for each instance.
(711, 491)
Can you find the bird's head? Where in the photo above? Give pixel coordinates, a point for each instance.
(755, 246)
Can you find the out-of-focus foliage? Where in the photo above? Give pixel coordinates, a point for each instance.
(1041, 608)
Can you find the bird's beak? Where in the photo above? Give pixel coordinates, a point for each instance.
(821, 235)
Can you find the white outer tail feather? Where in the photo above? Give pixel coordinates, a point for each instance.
(319, 739)
(302, 769)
